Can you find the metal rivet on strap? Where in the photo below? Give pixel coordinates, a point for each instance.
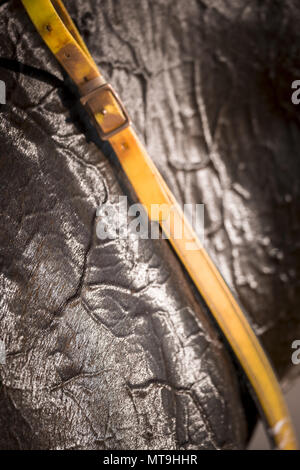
(124, 146)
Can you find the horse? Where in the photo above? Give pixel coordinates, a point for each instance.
(108, 344)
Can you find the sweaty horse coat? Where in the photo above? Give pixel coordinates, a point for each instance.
(104, 349)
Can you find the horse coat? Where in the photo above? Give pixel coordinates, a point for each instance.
(104, 349)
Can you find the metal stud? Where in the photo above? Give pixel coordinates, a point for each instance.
(124, 146)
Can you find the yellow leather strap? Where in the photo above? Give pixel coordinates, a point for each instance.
(60, 34)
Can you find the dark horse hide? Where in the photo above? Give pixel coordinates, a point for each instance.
(108, 344)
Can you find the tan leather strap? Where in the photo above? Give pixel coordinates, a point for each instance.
(60, 34)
